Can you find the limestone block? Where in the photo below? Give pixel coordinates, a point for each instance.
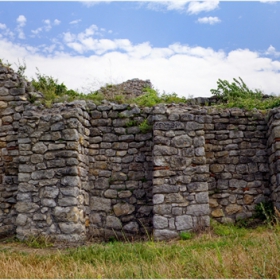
(217, 213)
(193, 126)
(26, 207)
(164, 234)
(163, 209)
(160, 222)
(198, 209)
(202, 197)
(113, 222)
(197, 187)
(23, 177)
(132, 227)
(3, 105)
(181, 141)
(21, 219)
(71, 181)
(174, 197)
(42, 174)
(118, 176)
(183, 222)
(248, 199)
(48, 202)
(166, 189)
(160, 150)
(123, 209)
(69, 228)
(216, 168)
(4, 91)
(111, 194)
(236, 134)
(100, 204)
(145, 210)
(158, 198)
(233, 208)
(124, 194)
(68, 201)
(39, 148)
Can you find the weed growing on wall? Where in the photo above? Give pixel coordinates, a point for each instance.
(145, 126)
(237, 94)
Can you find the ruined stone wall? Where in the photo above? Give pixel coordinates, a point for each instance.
(273, 148)
(236, 151)
(120, 172)
(13, 98)
(131, 88)
(80, 170)
(180, 172)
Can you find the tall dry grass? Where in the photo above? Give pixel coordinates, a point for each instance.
(239, 254)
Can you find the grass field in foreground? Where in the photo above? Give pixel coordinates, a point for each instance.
(223, 252)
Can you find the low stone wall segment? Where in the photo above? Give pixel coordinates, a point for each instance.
(236, 151)
(78, 170)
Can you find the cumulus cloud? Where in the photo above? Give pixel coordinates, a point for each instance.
(21, 20)
(3, 26)
(182, 6)
(56, 22)
(176, 68)
(204, 6)
(75, 21)
(272, 51)
(48, 25)
(209, 20)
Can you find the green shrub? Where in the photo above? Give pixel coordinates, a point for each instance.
(237, 94)
(186, 235)
(145, 126)
(264, 211)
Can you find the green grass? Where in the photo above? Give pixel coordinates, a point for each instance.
(219, 253)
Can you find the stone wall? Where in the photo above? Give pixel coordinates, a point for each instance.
(180, 173)
(237, 155)
(131, 88)
(78, 171)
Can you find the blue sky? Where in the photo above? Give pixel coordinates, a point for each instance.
(181, 46)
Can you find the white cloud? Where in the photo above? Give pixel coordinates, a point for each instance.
(21, 20)
(209, 20)
(204, 6)
(75, 21)
(46, 27)
(3, 26)
(176, 68)
(272, 51)
(56, 22)
(188, 6)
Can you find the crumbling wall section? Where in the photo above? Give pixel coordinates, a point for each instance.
(120, 172)
(13, 98)
(236, 151)
(180, 189)
(52, 196)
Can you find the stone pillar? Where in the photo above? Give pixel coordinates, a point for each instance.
(180, 189)
(52, 196)
(273, 145)
(13, 89)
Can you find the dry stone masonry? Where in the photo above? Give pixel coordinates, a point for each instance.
(78, 170)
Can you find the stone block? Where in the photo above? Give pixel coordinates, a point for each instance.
(165, 234)
(132, 227)
(183, 222)
(163, 209)
(113, 222)
(100, 204)
(121, 209)
(160, 222)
